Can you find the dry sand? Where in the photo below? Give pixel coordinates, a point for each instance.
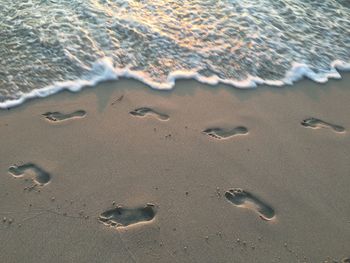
(181, 151)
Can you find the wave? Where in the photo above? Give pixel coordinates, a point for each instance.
(104, 70)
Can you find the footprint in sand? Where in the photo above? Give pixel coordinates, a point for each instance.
(245, 199)
(37, 174)
(345, 260)
(58, 116)
(219, 133)
(143, 112)
(122, 217)
(317, 123)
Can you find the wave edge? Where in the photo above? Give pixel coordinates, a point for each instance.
(297, 72)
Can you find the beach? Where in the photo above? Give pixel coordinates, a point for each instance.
(120, 172)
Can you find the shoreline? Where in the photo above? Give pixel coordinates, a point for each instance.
(98, 156)
(298, 73)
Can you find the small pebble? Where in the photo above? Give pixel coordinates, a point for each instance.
(238, 240)
(10, 221)
(113, 203)
(4, 219)
(53, 199)
(186, 193)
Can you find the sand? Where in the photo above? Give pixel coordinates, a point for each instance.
(123, 173)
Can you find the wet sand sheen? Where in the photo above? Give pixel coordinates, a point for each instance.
(111, 155)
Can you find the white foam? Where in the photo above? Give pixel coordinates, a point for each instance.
(341, 65)
(299, 71)
(103, 66)
(104, 70)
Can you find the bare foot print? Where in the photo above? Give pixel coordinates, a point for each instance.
(37, 174)
(317, 123)
(219, 133)
(58, 116)
(245, 199)
(143, 112)
(122, 217)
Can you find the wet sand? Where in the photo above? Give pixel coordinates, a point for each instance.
(123, 173)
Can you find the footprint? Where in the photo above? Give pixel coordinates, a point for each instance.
(245, 199)
(143, 112)
(317, 123)
(219, 133)
(122, 217)
(58, 116)
(39, 176)
(345, 260)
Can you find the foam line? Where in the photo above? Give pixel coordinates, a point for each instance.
(103, 70)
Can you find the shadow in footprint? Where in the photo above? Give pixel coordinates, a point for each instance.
(219, 133)
(122, 217)
(38, 175)
(143, 112)
(58, 116)
(317, 123)
(245, 199)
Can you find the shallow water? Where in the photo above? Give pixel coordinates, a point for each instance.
(49, 45)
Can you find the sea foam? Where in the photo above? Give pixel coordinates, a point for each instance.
(104, 70)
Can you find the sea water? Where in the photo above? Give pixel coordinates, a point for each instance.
(49, 45)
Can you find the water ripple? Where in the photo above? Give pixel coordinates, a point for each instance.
(242, 43)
